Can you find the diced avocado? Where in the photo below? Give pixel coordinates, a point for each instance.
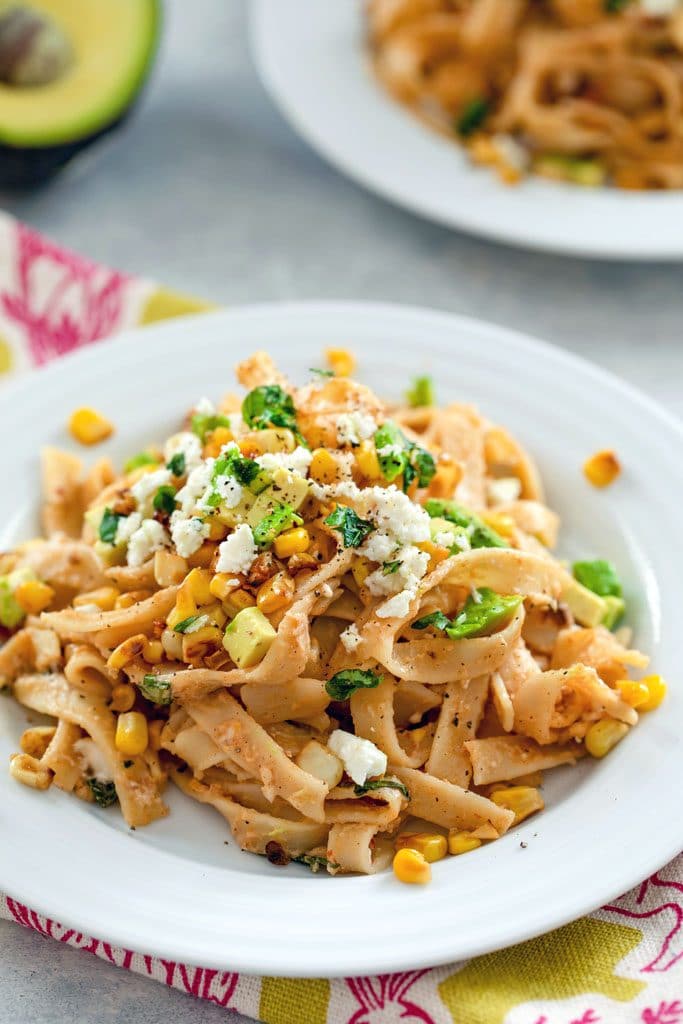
(11, 612)
(283, 517)
(73, 76)
(289, 488)
(616, 606)
(285, 489)
(587, 608)
(240, 513)
(110, 554)
(248, 637)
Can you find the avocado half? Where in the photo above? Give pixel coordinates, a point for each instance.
(87, 82)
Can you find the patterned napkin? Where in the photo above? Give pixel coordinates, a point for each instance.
(622, 964)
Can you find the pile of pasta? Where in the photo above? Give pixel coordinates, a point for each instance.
(412, 649)
(588, 91)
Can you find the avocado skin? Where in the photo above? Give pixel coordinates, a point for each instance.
(26, 167)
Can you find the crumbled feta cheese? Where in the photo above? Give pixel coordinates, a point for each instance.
(237, 552)
(413, 566)
(379, 547)
(188, 535)
(205, 407)
(354, 427)
(187, 444)
(147, 486)
(390, 449)
(396, 607)
(93, 760)
(362, 760)
(444, 539)
(351, 638)
(227, 488)
(297, 461)
(659, 8)
(197, 482)
(148, 538)
(126, 527)
(503, 490)
(394, 512)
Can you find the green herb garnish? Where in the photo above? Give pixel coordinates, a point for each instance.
(269, 406)
(109, 524)
(472, 116)
(104, 793)
(141, 459)
(283, 517)
(191, 624)
(599, 576)
(345, 683)
(176, 464)
(321, 373)
(480, 617)
(421, 392)
(164, 500)
(615, 6)
(389, 568)
(480, 535)
(436, 619)
(371, 784)
(353, 529)
(397, 456)
(314, 862)
(157, 689)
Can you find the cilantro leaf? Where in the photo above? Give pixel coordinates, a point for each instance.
(164, 500)
(191, 624)
(346, 682)
(314, 862)
(104, 793)
(421, 393)
(600, 576)
(141, 459)
(472, 116)
(389, 568)
(109, 524)
(381, 784)
(397, 456)
(176, 464)
(353, 529)
(436, 619)
(269, 406)
(156, 689)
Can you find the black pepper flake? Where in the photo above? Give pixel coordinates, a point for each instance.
(524, 845)
(456, 720)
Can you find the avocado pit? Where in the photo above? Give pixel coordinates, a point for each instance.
(34, 49)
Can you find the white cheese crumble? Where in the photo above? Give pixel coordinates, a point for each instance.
(297, 461)
(390, 449)
(148, 538)
(351, 638)
(93, 760)
(205, 407)
(147, 486)
(659, 8)
(379, 547)
(354, 427)
(197, 482)
(237, 553)
(187, 444)
(413, 566)
(397, 607)
(188, 535)
(362, 760)
(126, 527)
(227, 488)
(503, 490)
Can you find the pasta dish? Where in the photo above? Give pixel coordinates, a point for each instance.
(586, 91)
(336, 621)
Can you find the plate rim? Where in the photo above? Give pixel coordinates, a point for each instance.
(84, 919)
(403, 199)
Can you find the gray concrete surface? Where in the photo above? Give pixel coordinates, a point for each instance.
(210, 191)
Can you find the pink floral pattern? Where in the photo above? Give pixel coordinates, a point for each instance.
(60, 301)
(668, 914)
(665, 1013)
(380, 997)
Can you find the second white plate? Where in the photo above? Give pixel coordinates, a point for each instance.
(311, 56)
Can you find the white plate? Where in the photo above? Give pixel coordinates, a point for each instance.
(311, 57)
(174, 888)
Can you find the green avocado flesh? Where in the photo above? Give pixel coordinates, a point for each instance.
(110, 46)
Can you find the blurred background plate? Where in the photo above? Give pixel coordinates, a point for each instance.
(311, 56)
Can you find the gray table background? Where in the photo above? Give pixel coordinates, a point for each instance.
(209, 190)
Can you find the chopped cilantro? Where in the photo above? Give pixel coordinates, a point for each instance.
(321, 373)
(314, 862)
(389, 568)
(283, 517)
(599, 576)
(164, 500)
(104, 793)
(191, 624)
(421, 392)
(345, 683)
(269, 406)
(157, 689)
(109, 524)
(141, 459)
(398, 456)
(176, 464)
(381, 784)
(436, 619)
(472, 116)
(353, 529)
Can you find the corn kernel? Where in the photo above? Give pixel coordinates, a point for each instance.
(33, 596)
(634, 693)
(169, 568)
(360, 570)
(436, 553)
(132, 734)
(238, 600)
(275, 593)
(201, 642)
(341, 361)
(184, 607)
(523, 800)
(197, 585)
(502, 524)
(216, 613)
(122, 697)
(324, 468)
(29, 771)
(462, 842)
(656, 692)
(132, 597)
(445, 480)
(88, 426)
(35, 741)
(104, 597)
(215, 441)
(604, 735)
(431, 845)
(127, 651)
(411, 867)
(292, 542)
(602, 469)
(217, 530)
(153, 652)
(222, 585)
(367, 461)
